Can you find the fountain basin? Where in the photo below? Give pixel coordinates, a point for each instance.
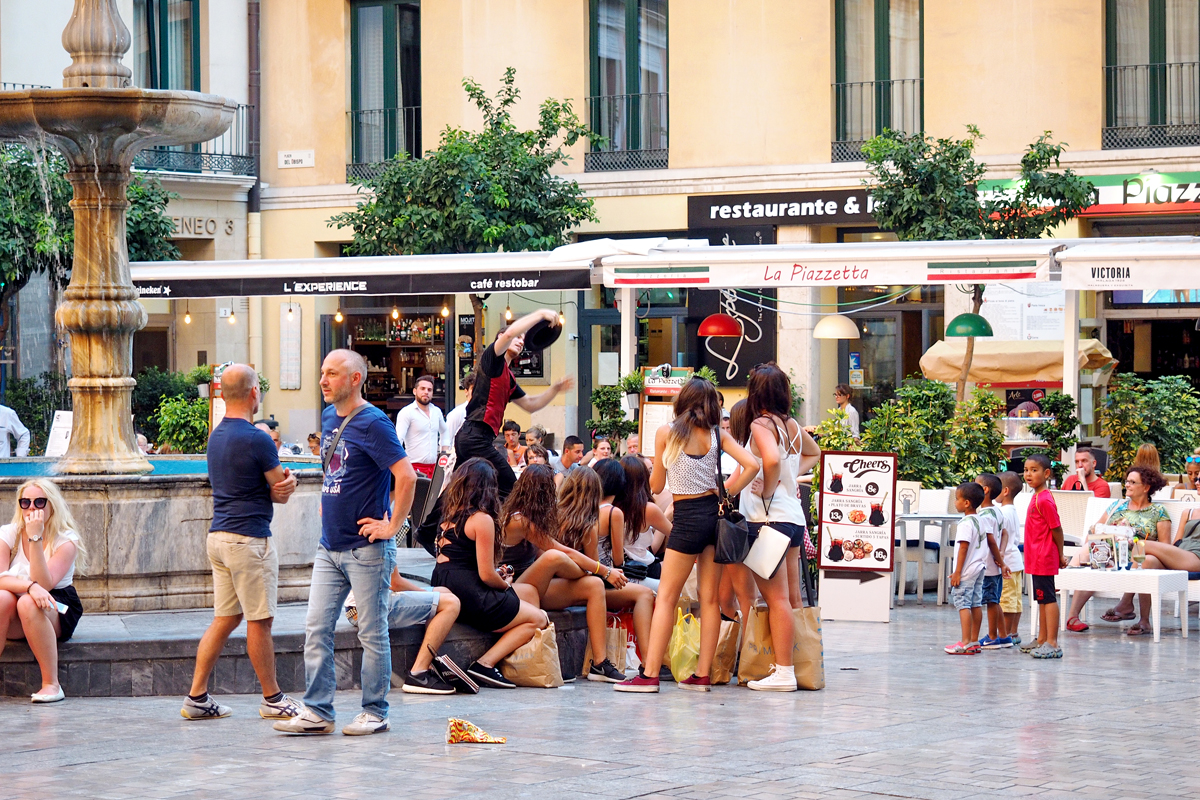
(110, 126)
(146, 534)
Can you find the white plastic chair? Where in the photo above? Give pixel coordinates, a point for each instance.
(1071, 509)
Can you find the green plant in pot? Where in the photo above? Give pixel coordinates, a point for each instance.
(183, 424)
(1057, 429)
(977, 443)
(632, 385)
(611, 420)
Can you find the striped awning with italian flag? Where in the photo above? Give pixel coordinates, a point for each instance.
(687, 263)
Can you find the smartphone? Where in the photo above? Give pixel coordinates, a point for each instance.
(62, 607)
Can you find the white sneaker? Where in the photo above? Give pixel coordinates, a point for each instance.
(307, 722)
(365, 724)
(285, 708)
(781, 679)
(209, 709)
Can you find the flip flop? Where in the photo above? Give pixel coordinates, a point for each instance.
(1137, 630)
(1077, 625)
(1112, 616)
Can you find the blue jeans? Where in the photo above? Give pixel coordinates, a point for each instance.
(368, 571)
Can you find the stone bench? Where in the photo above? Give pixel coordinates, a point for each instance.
(153, 653)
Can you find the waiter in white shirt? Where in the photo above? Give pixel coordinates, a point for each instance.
(420, 427)
(10, 423)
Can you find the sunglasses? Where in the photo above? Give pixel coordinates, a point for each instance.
(1193, 459)
(36, 502)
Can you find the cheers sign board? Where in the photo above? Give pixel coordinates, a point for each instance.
(857, 511)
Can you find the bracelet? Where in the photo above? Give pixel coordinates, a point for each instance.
(596, 571)
(608, 574)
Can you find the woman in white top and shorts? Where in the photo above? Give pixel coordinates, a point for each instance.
(39, 554)
(686, 453)
(762, 421)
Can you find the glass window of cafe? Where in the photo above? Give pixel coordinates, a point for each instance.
(401, 337)
(896, 325)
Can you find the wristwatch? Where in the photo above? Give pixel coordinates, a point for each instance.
(30, 538)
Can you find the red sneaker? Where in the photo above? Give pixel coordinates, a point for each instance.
(639, 684)
(695, 683)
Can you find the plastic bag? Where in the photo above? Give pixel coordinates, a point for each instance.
(683, 650)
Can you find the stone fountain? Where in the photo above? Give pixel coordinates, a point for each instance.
(146, 533)
(100, 122)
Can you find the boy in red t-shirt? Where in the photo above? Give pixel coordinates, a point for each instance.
(1043, 556)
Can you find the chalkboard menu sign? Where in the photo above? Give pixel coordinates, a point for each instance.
(528, 364)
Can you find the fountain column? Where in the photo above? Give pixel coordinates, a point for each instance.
(101, 312)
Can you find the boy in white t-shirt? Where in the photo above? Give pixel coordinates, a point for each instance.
(993, 527)
(1010, 545)
(970, 542)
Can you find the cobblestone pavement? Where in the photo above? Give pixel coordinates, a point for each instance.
(1115, 718)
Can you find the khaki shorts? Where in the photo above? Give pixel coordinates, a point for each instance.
(245, 575)
(1010, 594)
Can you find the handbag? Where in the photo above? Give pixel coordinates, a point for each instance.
(767, 552)
(733, 534)
(634, 571)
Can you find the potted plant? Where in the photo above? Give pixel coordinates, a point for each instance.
(633, 385)
(708, 373)
(201, 376)
(611, 421)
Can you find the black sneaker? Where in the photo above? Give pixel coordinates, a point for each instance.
(664, 673)
(427, 682)
(489, 676)
(605, 672)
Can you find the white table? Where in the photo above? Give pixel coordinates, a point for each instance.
(1154, 582)
(942, 522)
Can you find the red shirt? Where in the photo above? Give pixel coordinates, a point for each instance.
(1041, 554)
(1098, 487)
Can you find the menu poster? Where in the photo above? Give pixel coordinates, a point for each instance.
(857, 510)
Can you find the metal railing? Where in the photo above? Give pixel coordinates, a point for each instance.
(635, 129)
(863, 110)
(378, 134)
(20, 87)
(232, 152)
(1152, 105)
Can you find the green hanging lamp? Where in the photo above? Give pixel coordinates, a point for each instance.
(969, 325)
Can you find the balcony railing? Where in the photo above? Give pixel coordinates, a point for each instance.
(233, 152)
(20, 87)
(863, 110)
(378, 134)
(635, 129)
(1152, 105)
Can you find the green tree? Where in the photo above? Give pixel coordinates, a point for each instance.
(834, 435)
(183, 424)
(978, 445)
(35, 400)
(479, 191)
(611, 421)
(1122, 418)
(152, 388)
(925, 189)
(914, 425)
(1058, 432)
(1164, 412)
(37, 230)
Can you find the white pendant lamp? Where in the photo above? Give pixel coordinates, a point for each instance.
(835, 326)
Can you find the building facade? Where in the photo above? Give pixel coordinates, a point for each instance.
(736, 121)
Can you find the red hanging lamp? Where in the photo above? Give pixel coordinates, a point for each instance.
(720, 325)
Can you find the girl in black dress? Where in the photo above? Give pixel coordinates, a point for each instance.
(468, 550)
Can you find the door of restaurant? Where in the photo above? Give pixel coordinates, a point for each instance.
(889, 350)
(661, 339)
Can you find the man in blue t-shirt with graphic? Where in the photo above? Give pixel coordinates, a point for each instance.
(246, 478)
(360, 516)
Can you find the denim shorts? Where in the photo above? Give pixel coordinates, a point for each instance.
(992, 586)
(968, 594)
(412, 608)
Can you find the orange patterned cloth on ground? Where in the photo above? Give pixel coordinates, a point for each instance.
(459, 731)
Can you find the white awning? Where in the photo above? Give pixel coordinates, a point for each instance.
(687, 263)
(377, 275)
(1144, 266)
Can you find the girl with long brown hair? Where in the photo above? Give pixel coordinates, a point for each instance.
(468, 552)
(40, 552)
(561, 574)
(608, 544)
(645, 526)
(687, 455)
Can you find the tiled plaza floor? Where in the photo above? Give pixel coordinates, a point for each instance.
(1115, 719)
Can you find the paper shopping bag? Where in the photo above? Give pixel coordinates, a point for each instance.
(683, 650)
(616, 644)
(727, 651)
(808, 655)
(535, 663)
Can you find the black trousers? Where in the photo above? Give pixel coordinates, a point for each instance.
(478, 440)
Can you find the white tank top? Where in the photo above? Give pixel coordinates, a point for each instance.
(783, 506)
